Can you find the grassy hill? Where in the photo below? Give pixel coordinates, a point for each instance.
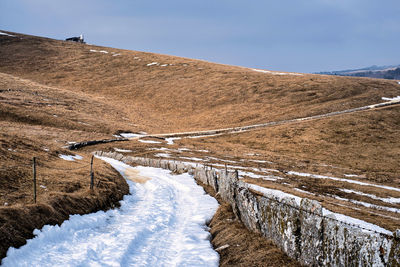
(54, 92)
(176, 94)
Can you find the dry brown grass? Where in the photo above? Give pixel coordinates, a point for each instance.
(188, 95)
(38, 121)
(245, 248)
(363, 144)
(53, 92)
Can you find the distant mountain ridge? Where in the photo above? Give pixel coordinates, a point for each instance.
(391, 72)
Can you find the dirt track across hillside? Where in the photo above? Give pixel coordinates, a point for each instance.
(276, 123)
(239, 129)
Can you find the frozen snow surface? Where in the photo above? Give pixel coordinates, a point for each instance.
(397, 98)
(6, 34)
(170, 140)
(98, 51)
(317, 176)
(149, 141)
(131, 135)
(152, 63)
(368, 205)
(163, 155)
(259, 161)
(70, 157)
(278, 73)
(160, 223)
(391, 200)
(122, 150)
(276, 193)
(204, 135)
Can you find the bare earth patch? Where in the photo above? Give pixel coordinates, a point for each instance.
(134, 176)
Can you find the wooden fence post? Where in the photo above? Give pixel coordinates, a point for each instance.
(91, 173)
(34, 178)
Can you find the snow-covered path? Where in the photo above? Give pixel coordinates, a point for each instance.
(161, 223)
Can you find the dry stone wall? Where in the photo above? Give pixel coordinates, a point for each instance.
(297, 227)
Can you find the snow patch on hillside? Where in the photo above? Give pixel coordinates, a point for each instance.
(98, 51)
(149, 141)
(170, 140)
(6, 34)
(278, 73)
(163, 155)
(368, 205)
(70, 157)
(391, 200)
(132, 135)
(397, 98)
(122, 150)
(317, 176)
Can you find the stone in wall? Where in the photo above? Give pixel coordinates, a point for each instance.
(127, 160)
(226, 186)
(189, 169)
(164, 164)
(394, 255)
(247, 206)
(344, 245)
(181, 168)
(212, 179)
(311, 232)
(152, 162)
(171, 166)
(200, 175)
(280, 222)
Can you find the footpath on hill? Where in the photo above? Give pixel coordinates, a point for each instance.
(389, 103)
(160, 223)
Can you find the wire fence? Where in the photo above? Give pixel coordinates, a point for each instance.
(71, 169)
(10, 167)
(37, 167)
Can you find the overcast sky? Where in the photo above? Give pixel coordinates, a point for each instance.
(285, 35)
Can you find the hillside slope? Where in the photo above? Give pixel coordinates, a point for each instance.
(165, 93)
(55, 92)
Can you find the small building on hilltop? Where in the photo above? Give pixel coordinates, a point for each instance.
(76, 39)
